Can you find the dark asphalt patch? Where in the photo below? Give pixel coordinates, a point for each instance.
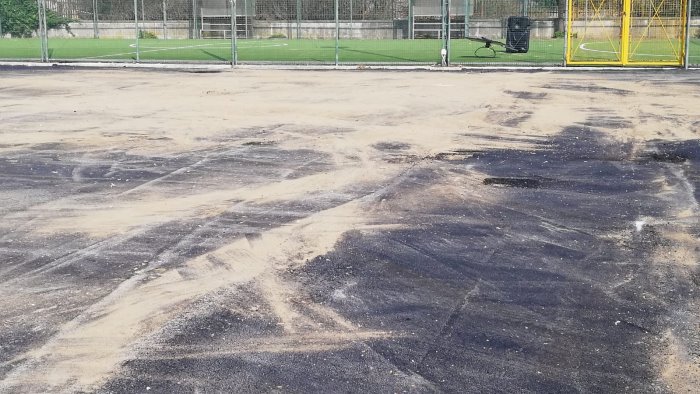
(587, 88)
(391, 146)
(514, 182)
(609, 121)
(547, 289)
(259, 143)
(526, 95)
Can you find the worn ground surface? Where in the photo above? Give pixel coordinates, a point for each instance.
(349, 231)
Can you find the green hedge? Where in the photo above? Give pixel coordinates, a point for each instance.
(20, 18)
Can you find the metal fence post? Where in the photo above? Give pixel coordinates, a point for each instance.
(337, 33)
(234, 34)
(46, 30)
(95, 20)
(445, 14)
(298, 19)
(194, 18)
(689, 11)
(136, 28)
(466, 17)
(411, 33)
(449, 30)
(42, 31)
(566, 31)
(165, 20)
(351, 15)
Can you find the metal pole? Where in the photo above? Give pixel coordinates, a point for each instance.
(337, 33)
(526, 5)
(350, 14)
(566, 31)
(466, 18)
(165, 20)
(298, 19)
(411, 30)
(46, 30)
(194, 18)
(689, 11)
(143, 13)
(245, 15)
(449, 30)
(40, 35)
(234, 34)
(136, 28)
(444, 53)
(95, 20)
(42, 30)
(442, 22)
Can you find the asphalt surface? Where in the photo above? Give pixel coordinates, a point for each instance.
(488, 268)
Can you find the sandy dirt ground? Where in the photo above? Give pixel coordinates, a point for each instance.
(299, 231)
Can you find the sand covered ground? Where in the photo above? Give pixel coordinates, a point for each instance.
(321, 231)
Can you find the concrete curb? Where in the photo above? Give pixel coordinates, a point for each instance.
(360, 67)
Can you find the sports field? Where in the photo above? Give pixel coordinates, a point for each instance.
(542, 51)
(294, 51)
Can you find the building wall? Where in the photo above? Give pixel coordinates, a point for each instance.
(640, 27)
(326, 30)
(125, 29)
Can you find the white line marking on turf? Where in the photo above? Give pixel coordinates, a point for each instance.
(583, 46)
(213, 45)
(161, 49)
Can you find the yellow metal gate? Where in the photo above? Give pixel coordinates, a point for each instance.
(626, 32)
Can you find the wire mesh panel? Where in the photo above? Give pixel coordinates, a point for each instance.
(380, 31)
(694, 31)
(195, 30)
(98, 30)
(130, 30)
(19, 27)
(289, 31)
(595, 31)
(620, 32)
(656, 32)
(510, 31)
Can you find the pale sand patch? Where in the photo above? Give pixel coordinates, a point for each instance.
(120, 214)
(679, 369)
(130, 110)
(318, 341)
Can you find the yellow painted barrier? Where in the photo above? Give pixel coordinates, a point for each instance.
(626, 32)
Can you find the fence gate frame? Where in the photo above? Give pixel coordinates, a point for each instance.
(624, 52)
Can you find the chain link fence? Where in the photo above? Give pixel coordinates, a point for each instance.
(357, 32)
(694, 34)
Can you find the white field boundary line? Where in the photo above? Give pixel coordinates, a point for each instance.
(162, 49)
(583, 47)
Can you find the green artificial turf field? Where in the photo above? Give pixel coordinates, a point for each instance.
(288, 51)
(427, 51)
